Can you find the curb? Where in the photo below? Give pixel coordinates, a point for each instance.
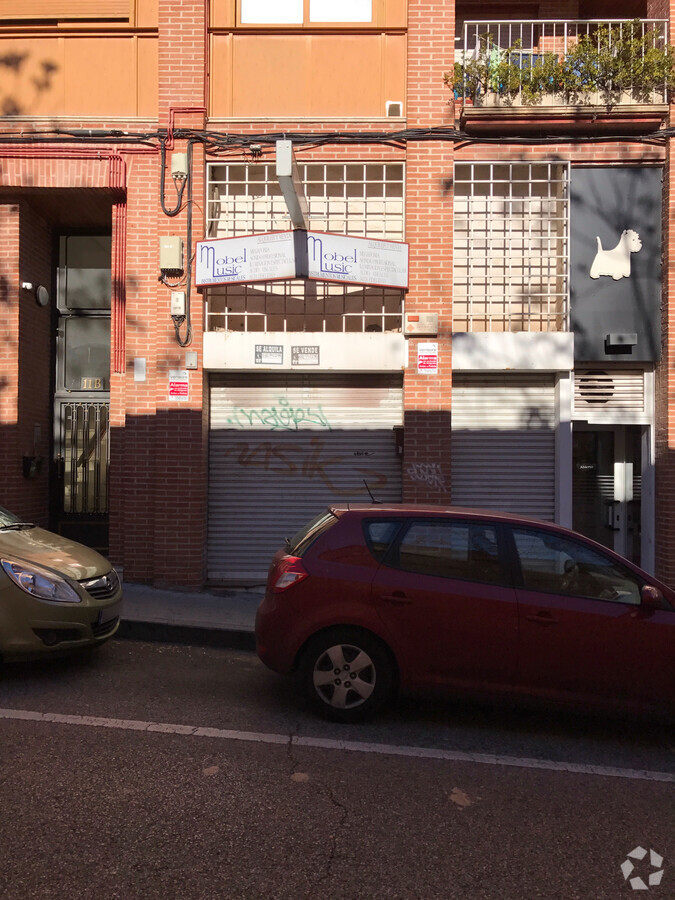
(197, 636)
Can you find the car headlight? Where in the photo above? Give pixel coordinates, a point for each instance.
(39, 582)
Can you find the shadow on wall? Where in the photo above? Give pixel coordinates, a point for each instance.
(23, 82)
(510, 469)
(27, 497)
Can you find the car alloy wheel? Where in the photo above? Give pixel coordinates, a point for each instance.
(348, 674)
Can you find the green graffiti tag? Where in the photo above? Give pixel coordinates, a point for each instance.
(282, 417)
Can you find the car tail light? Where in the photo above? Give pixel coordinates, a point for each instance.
(289, 571)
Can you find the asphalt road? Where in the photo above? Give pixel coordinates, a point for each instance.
(157, 770)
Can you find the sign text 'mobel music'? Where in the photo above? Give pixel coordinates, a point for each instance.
(319, 256)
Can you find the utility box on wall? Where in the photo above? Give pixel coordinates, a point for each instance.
(615, 263)
(171, 253)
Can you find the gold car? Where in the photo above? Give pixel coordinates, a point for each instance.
(55, 594)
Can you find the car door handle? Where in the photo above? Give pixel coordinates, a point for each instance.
(396, 597)
(542, 618)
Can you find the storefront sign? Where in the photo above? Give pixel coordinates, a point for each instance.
(256, 257)
(178, 384)
(315, 255)
(427, 358)
(615, 263)
(342, 258)
(305, 356)
(269, 354)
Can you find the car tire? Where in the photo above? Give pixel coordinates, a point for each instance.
(347, 674)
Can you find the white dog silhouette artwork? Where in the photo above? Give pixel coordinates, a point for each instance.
(616, 262)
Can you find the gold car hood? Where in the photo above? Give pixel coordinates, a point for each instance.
(53, 551)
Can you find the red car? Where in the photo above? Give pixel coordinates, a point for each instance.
(366, 599)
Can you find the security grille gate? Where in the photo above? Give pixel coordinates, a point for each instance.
(503, 443)
(283, 447)
(84, 457)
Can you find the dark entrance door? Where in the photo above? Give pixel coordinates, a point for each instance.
(82, 398)
(607, 484)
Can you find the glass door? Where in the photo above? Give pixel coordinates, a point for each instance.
(82, 394)
(606, 485)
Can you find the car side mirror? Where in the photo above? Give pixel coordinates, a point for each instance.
(651, 597)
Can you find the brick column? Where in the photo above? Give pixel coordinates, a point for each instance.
(10, 473)
(159, 450)
(665, 379)
(429, 171)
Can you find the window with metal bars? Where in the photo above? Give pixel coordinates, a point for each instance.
(511, 247)
(362, 199)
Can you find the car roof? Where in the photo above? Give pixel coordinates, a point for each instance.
(430, 509)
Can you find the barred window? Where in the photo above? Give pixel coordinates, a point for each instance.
(361, 199)
(511, 247)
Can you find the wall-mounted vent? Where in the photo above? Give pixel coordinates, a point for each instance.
(394, 108)
(609, 389)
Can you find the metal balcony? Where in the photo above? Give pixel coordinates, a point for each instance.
(513, 64)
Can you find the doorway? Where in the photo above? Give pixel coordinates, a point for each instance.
(607, 486)
(82, 382)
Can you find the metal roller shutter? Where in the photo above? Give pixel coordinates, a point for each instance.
(503, 443)
(284, 446)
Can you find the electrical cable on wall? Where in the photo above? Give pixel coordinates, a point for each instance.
(179, 321)
(179, 180)
(216, 142)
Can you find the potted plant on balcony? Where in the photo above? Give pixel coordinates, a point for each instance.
(615, 63)
(618, 64)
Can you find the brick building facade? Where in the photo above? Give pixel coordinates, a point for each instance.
(211, 433)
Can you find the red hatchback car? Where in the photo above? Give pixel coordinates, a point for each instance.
(366, 599)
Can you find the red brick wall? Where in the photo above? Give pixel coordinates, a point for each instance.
(429, 166)
(35, 362)
(158, 451)
(25, 361)
(10, 462)
(665, 380)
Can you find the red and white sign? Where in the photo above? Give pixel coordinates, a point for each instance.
(427, 358)
(179, 384)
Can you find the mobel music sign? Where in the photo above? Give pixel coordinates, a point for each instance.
(316, 255)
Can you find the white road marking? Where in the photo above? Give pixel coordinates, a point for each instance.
(330, 744)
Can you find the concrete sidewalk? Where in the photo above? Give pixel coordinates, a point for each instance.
(219, 618)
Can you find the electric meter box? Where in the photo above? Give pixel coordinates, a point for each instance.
(171, 253)
(177, 303)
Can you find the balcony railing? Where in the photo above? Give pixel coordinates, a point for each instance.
(563, 62)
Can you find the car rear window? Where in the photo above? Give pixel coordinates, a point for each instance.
(300, 541)
(380, 534)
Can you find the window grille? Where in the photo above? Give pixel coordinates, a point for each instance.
(511, 247)
(362, 199)
(299, 306)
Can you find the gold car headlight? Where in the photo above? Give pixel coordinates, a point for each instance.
(39, 582)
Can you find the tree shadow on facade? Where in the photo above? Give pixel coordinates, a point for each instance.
(31, 80)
